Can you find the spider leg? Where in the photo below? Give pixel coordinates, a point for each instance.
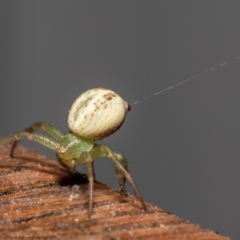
(44, 140)
(53, 132)
(120, 175)
(90, 173)
(117, 163)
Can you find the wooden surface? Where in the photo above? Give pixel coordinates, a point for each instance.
(42, 200)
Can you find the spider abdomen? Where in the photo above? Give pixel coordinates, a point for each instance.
(97, 113)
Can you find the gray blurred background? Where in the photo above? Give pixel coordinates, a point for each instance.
(183, 146)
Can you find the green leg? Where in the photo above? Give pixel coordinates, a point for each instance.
(44, 140)
(121, 177)
(97, 152)
(90, 174)
(57, 135)
(118, 164)
(53, 132)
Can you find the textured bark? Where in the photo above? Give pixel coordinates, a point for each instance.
(42, 200)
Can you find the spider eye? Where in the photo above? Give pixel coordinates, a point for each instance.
(97, 113)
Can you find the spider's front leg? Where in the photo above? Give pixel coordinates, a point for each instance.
(53, 132)
(44, 140)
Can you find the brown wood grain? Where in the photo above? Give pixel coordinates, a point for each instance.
(42, 200)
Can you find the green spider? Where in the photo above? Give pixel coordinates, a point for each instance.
(95, 114)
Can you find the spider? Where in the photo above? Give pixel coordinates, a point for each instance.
(95, 114)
